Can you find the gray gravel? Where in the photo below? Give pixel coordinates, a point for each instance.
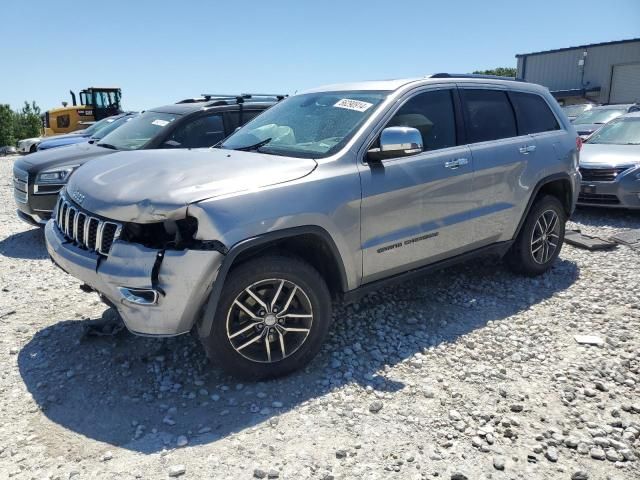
(471, 373)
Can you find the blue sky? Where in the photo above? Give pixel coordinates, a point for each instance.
(159, 51)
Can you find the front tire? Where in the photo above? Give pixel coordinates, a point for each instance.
(273, 315)
(539, 242)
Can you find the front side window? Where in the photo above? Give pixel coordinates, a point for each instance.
(601, 115)
(619, 132)
(533, 113)
(139, 131)
(200, 133)
(489, 115)
(312, 125)
(432, 114)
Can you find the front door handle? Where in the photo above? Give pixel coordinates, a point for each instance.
(458, 162)
(527, 149)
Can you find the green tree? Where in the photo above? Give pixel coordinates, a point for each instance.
(27, 122)
(500, 72)
(7, 136)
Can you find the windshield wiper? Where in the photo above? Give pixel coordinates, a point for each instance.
(255, 146)
(108, 145)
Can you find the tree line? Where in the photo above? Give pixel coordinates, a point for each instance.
(16, 125)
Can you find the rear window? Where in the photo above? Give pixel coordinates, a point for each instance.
(533, 113)
(489, 115)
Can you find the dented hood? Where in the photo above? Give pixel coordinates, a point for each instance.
(152, 185)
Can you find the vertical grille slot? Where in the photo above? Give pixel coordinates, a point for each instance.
(87, 232)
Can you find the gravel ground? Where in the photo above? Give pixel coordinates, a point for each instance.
(470, 373)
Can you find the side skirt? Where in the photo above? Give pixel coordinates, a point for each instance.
(496, 249)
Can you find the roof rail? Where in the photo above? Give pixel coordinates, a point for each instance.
(245, 96)
(239, 98)
(473, 75)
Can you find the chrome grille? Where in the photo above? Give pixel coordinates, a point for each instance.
(608, 174)
(20, 185)
(87, 232)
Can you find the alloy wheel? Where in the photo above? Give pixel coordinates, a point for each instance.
(269, 320)
(545, 237)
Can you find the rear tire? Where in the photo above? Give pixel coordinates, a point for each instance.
(272, 318)
(33, 149)
(539, 242)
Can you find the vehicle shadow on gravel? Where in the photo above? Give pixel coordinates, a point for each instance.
(143, 394)
(28, 244)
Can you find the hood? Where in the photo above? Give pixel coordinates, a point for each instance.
(68, 155)
(147, 186)
(61, 142)
(598, 154)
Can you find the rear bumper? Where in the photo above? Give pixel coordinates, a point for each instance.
(624, 192)
(182, 280)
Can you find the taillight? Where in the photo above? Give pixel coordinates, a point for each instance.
(578, 143)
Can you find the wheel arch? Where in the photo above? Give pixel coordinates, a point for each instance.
(310, 243)
(558, 185)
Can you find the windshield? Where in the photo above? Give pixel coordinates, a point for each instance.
(575, 110)
(97, 126)
(312, 125)
(110, 127)
(137, 133)
(621, 132)
(603, 115)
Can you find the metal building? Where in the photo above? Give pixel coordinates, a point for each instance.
(600, 72)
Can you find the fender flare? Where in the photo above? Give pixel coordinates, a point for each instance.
(211, 304)
(541, 183)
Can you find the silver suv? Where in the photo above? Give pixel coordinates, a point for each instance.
(328, 194)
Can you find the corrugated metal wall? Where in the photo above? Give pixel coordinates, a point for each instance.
(560, 70)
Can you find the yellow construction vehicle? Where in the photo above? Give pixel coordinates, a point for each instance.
(96, 103)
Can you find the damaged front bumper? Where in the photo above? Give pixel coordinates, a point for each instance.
(157, 293)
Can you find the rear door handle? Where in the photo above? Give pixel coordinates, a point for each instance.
(527, 149)
(458, 162)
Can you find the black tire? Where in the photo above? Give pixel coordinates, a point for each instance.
(33, 149)
(521, 258)
(218, 345)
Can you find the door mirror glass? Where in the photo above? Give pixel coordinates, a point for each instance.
(397, 142)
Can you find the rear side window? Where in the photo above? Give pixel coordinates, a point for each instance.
(433, 115)
(489, 115)
(533, 113)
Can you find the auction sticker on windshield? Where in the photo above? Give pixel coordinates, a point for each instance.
(160, 123)
(357, 105)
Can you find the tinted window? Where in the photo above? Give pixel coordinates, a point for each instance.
(433, 115)
(534, 114)
(489, 115)
(200, 133)
(247, 115)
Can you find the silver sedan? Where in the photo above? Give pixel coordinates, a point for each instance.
(610, 165)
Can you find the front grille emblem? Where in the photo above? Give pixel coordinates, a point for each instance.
(78, 197)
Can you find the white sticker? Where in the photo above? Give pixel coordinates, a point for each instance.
(357, 105)
(160, 123)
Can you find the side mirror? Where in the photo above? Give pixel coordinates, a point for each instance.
(397, 142)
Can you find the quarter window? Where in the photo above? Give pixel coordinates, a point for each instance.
(432, 114)
(489, 115)
(533, 113)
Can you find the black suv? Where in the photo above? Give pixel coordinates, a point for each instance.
(191, 123)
